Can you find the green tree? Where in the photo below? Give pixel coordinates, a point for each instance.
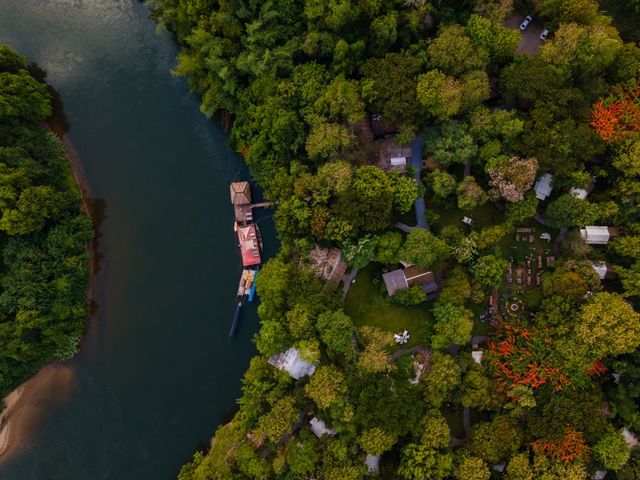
(394, 93)
(519, 467)
(405, 192)
(475, 89)
(500, 42)
(23, 97)
(376, 441)
(453, 325)
(630, 278)
(368, 203)
(441, 183)
(453, 53)
(388, 248)
(326, 386)
(327, 139)
(336, 331)
(419, 462)
(279, 420)
(441, 379)
(452, 144)
(470, 194)
(457, 288)
(523, 210)
(612, 451)
(626, 245)
(489, 270)
(424, 249)
(341, 101)
(440, 95)
(568, 211)
(472, 468)
(413, 295)
(301, 454)
(496, 440)
(608, 325)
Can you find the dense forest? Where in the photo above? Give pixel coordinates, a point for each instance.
(43, 232)
(508, 373)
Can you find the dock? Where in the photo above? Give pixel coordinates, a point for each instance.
(249, 243)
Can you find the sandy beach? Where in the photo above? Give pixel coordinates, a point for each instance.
(27, 404)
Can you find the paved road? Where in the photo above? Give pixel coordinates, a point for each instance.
(530, 43)
(416, 163)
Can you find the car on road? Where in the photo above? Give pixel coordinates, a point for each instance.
(525, 23)
(545, 33)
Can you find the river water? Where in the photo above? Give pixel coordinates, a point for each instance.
(157, 372)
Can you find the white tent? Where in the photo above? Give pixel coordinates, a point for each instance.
(601, 269)
(477, 356)
(292, 363)
(580, 193)
(543, 186)
(319, 428)
(595, 235)
(398, 161)
(373, 463)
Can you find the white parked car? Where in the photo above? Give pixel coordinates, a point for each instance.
(525, 23)
(545, 33)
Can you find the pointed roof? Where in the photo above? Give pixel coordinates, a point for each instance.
(240, 193)
(319, 428)
(292, 362)
(543, 186)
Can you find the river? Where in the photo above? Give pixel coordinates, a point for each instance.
(157, 372)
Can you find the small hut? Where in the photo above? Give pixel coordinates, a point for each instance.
(292, 362)
(319, 428)
(543, 186)
(598, 235)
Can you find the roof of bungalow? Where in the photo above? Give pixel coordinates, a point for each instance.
(292, 362)
(240, 193)
(544, 186)
(249, 245)
(401, 279)
(477, 356)
(579, 193)
(373, 463)
(319, 428)
(598, 235)
(603, 269)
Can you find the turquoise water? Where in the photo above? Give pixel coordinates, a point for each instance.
(157, 371)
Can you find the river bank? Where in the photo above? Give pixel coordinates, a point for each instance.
(25, 407)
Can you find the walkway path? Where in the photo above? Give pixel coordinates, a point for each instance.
(557, 244)
(348, 279)
(466, 421)
(405, 228)
(416, 163)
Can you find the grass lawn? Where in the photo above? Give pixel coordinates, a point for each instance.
(518, 251)
(483, 216)
(366, 306)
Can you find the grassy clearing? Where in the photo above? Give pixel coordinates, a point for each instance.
(483, 216)
(367, 306)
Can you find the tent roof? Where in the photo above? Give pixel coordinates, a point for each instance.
(543, 186)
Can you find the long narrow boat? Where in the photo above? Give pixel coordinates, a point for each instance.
(252, 291)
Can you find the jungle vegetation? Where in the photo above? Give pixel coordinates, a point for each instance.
(303, 81)
(44, 233)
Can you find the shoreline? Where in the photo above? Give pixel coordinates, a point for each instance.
(25, 407)
(28, 404)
